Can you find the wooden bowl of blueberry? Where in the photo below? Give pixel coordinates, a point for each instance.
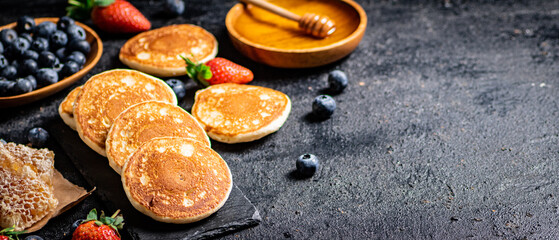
(41, 56)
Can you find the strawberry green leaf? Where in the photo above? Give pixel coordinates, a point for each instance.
(103, 3)
(98, 223)
(92, 215)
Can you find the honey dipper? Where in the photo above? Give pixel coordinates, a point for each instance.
(315, 25)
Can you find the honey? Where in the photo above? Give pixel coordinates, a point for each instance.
(268, 29)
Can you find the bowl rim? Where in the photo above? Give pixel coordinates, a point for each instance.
(55, 87)
(229, 23)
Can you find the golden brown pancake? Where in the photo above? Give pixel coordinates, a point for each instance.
(105, 95)
(158, 51)
(233, 113)
(176, 180)
(66, 108)
(144, 121)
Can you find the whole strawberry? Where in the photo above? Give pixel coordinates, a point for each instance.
(9, 233)
(102, 228)
(216, 71)
(113, 16)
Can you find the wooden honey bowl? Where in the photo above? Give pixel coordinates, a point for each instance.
(270, 39)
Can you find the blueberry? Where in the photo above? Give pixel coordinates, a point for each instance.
(19, 46)
(23, 85)
(37, 136)
(75, 32)
(47, 59)
(46, 76)
(69, 68)
(7, 36)
(33, 81)
(1, 48)
(79, 45)
(57, 68)
(9, 72)
(6, 88)
(65, 22)
(58, 39)
(3, 62)
(307, 164)
(76, 224)
(174, 7)
(29, 66)
(61, 53)
(337, 81)
(178, 87)
(77, 57)
(25, 24)
(33, 237)
(3, 141)
(27, 36)
(323, 106)
(30, 54)
(40, 44)
(44, 29)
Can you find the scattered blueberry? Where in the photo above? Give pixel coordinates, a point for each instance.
(29, 66)
(1, 48)
(27, 36)
(45, 29)
(33, 81)
(337, 81)
(7, 87)
(46, 76)
(178, 87)
(25, 24)
(7, 36)
(3, 62)
(30, 54)
(65, 22)
(75, 32)
(323, 106)
(40, 44)
(174, 7)
(33, 237)
(3, 141)
(37, 136)
(23, 85)
(47, 59)
(69, 68)
(58, 39)
(307, 164)
(77, 57)
(76, 224)
(79, 45)
(9, 72)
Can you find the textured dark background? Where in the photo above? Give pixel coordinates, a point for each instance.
(448, 129)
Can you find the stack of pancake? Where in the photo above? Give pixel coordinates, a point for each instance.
(168, 170)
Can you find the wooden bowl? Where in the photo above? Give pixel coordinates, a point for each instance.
(91, 59)
(278, 42)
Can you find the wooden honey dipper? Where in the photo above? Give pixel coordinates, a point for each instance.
(315, 25)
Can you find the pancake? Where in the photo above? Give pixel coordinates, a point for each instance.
(233, 113)
(176, 180)
(158, 51)
(66, 108)
(105, 95)
(144, 121)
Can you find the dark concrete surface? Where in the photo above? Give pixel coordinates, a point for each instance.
(448, 129)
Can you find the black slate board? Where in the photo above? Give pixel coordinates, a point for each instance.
(237, 213)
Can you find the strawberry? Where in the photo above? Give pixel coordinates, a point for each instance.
(9, 233)
(114, 16)
(216, 71)
(102, 228)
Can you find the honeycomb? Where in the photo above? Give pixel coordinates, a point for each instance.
(26, 190)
